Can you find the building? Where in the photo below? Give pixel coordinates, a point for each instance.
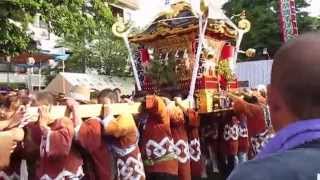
(124, 8)
(254, 73)
(47, 43)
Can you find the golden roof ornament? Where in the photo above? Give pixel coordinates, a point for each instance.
(204, 8)
(244, 24)
(120, 28)
(175, 9)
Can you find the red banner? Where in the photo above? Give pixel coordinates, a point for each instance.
(288, 19)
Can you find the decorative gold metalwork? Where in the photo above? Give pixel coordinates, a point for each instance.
(162, 28)
(250, 52)
(244, 23)
(120, 28)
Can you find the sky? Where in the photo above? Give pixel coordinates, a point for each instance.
(314, 9)
(149, 8)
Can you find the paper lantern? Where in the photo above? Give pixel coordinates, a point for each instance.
(144, 54)
(227, 52)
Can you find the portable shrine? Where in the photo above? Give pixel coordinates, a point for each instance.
(191, 52)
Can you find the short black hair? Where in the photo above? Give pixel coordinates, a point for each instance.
(117, 89)
(251, 99)
(108, 93)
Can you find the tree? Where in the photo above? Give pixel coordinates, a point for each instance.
(263, 14)
(83, 25)
(14, 18)
(72, 18)
(105, 53)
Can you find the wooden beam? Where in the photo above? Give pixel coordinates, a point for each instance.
(93, 110)
(86, 111)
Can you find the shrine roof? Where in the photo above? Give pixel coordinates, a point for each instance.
(181, 18)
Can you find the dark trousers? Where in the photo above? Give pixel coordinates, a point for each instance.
(196, 178)
(226, 164)
(161, 176)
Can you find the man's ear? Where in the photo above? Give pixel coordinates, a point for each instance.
(273, 98)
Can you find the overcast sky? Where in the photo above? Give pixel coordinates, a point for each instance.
(148, 8)
(315, 7)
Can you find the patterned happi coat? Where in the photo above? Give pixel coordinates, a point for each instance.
(125, 146)
(58, 158)
(157, 144)
(181, 146)
(258, 130)
(193, 124)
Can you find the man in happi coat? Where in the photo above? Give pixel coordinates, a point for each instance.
(243, 141)
(89, 137)
(58, 158)
(127, 154)
(17, 117)
(192, 121)
(229, 141)
(157, 144)
(258, 130)
(180, 138)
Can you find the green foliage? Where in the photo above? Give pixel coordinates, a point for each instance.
(223, 68)
(14, 18)
(83, 25)
(12, 39)
(263, 14)
(66, 18)
(163, 73)
(106, 53)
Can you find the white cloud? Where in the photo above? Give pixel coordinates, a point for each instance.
(314, 9)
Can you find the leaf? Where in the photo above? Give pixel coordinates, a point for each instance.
(265, 32)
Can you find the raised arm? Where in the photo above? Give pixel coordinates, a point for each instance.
(89, 134)
(239, 105)
(155, 105)
(56, 140)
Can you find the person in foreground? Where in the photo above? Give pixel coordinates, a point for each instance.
(294, 100)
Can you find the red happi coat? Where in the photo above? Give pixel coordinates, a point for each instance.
(243, 135)
(180, 138)
(157, 141)
(58, 158)
(258, 131)
(193, 125)
(125, 146)
(89, 136)
(255, 117)
(230, 134)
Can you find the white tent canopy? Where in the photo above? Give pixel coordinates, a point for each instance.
(65, 81)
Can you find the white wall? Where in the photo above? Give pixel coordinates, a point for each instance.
(256, 72)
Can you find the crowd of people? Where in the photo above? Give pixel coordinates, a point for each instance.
(167, 140)
(163, 141)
